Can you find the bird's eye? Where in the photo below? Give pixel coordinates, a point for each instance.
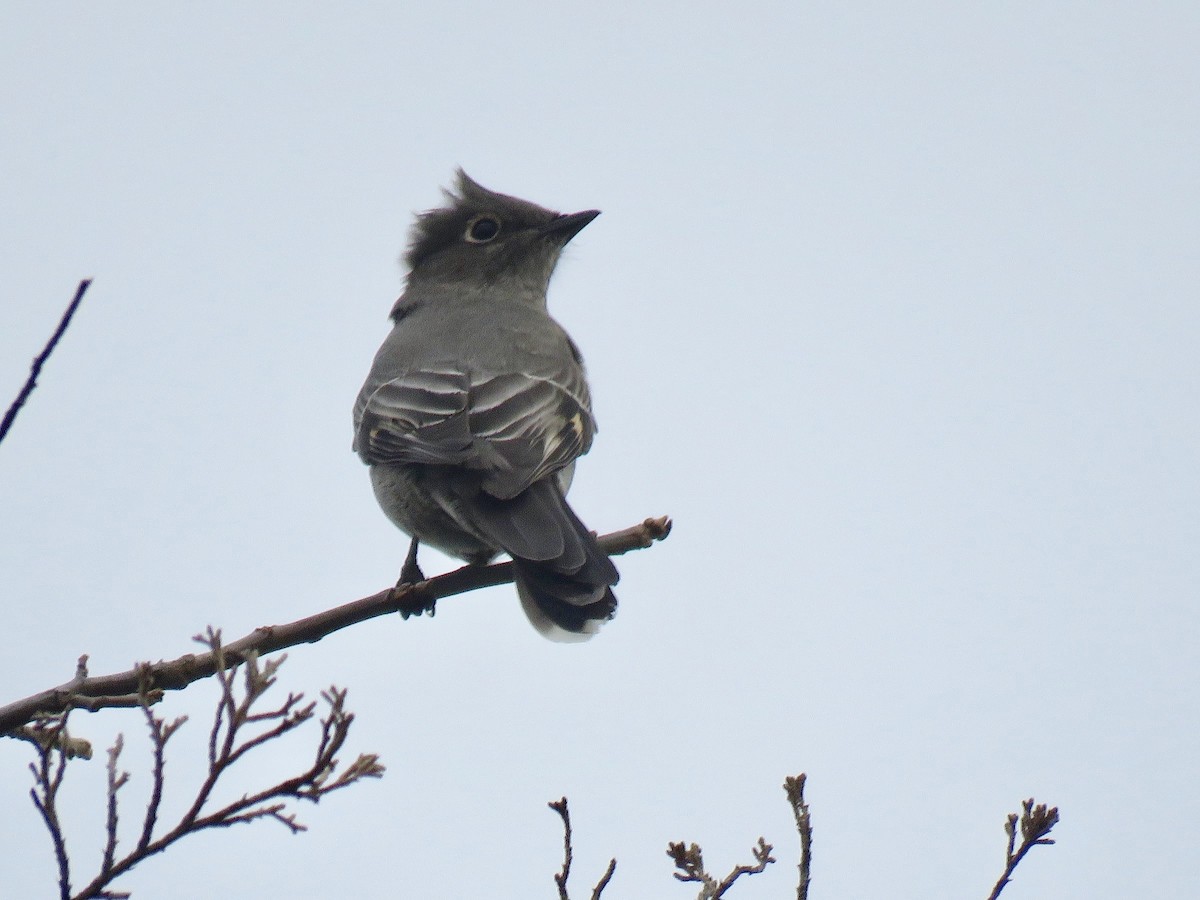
(482, 229)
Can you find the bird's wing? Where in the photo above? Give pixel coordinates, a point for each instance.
(527, 427)
(512, 429)
(418, 417)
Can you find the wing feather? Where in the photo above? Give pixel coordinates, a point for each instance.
(512, 428)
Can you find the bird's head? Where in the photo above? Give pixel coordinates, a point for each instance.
(482, 237)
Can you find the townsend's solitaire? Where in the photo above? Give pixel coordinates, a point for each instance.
(476, 407)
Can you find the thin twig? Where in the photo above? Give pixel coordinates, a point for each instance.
(560, 879)
(40, 360)
(227, 743)
(1036, 823)
(48, 777)
(604, 879)
(115, 783)
(762, 859)
(179, 673)
(160, 733)
(793, 786)
(560, 807)
(689, 859)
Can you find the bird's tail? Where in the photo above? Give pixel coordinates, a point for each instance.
(563, 607)
(563, 577)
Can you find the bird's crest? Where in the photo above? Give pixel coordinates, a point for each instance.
(436, 229)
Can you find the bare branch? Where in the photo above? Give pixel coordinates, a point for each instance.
(1036, 823)
(604, 879)
(115, 783)
(160, 733)
(237, 730)
(560, 880)
(48, 774)
(179, 673)
(793, 786)
(40, 360)
(762, 859)
(689, 859)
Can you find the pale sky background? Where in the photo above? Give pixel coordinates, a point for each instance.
(893, 307)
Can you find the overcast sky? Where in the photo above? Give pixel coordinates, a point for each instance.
(892, 307)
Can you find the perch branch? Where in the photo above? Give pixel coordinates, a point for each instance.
(82, 691)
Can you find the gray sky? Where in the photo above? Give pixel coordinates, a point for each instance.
(894, 310)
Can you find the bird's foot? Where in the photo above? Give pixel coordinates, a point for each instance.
(411, 600)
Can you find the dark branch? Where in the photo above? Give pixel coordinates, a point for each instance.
(116, 781)
(604, 879)
(50, 737)
(238, 729)
(560, 879)
(179, 673)
(1036, 823)
(40, 360)
(794, 788)
(689, 860)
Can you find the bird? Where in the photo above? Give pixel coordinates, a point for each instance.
(477, 406)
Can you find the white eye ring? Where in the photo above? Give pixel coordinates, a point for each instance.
(482, 229)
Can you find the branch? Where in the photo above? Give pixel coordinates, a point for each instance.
(83, 692)
(560, 807)
(48, 736)
(235, 715)
(604, 879)
(1036, 823)
(40, 360)
(561, 878)
(794, 788)
(689, 859)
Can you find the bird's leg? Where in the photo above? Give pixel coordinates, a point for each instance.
(411, 573)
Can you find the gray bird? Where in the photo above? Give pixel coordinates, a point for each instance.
(477, 407)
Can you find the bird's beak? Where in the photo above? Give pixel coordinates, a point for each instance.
(566, 227)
